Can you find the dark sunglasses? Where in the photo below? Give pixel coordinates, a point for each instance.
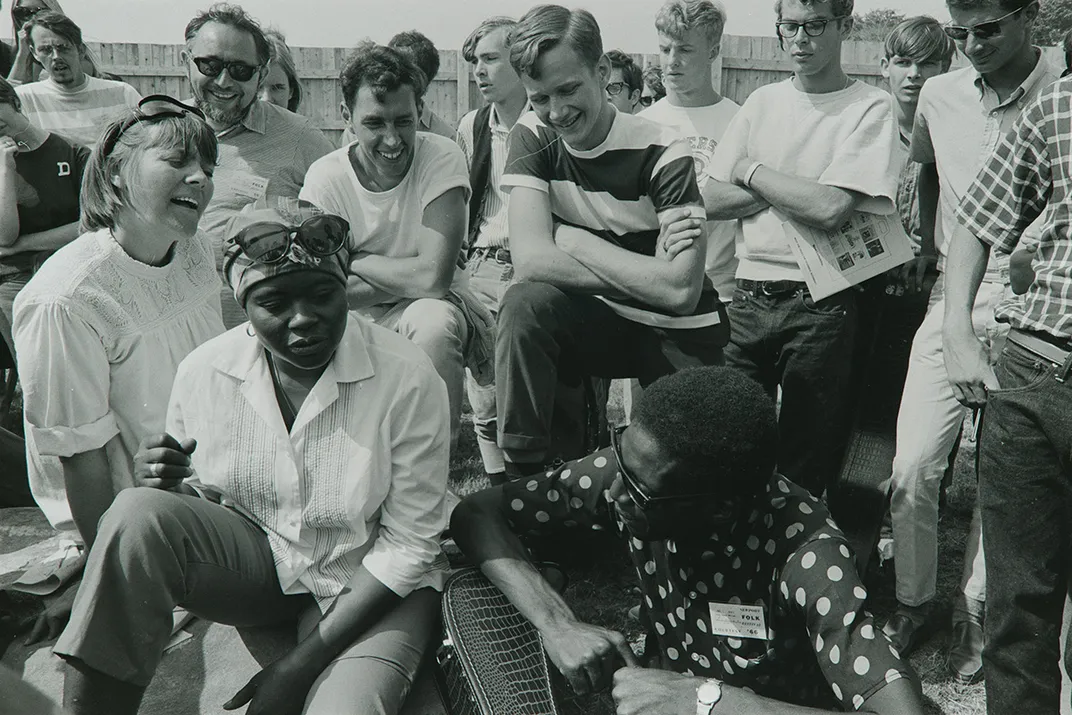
(152, 108)
(812, 28)
(212, 66)
(270, 242)
(639, 497)
(646, 100)
(22, 14)
(982, 31)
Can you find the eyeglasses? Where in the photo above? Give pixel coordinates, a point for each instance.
(615, 88)
(150, 109)
(636, 493)
(48, 50)
(982, 31)
(270, 242)
(646, 100)
(812, 28)
(21, 15)
(212, 66)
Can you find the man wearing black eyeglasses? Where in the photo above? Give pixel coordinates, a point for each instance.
(625, 82)
(751, 588)
(805, 153)
(264, 149)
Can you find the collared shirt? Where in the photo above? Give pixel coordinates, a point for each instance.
(819, 647)
(98, 337)
(494, 231)
(78, 115)
(359, 480)
(266, 154)
(1028, 178)
(958, 122)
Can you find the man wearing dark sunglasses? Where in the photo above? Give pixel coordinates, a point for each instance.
(265, 151)
(747, 581)
(960, 117)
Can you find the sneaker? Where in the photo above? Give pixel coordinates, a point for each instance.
(904, 628)
(965, 659)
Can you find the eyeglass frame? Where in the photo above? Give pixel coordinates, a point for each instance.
(620, 86)
(949, 29)
(804, 25)
(650, 100)
(227, 65)
(181, 110)
(27, 13)
(641, 499)
(294, 234)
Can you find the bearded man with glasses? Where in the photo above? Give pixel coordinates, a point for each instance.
(265, 151)
(751, 587)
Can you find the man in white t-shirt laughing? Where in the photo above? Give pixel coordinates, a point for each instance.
(808, 151)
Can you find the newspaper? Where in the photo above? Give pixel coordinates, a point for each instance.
(865, 246)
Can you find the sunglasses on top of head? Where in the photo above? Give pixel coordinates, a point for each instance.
(213, 66)
(22, 14)
(270, 242)
(152, 108)
(982, 31)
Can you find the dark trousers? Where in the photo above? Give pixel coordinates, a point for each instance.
(805, 346)
(1025, 495)
(547, 335)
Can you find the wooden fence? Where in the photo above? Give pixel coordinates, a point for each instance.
(745, 64)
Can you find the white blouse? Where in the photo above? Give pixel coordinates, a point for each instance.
(99, 337)
(361, 477)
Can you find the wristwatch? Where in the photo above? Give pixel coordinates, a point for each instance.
(708, 695)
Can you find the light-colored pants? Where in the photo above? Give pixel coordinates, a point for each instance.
(488, 279)
(928, 423)
(155, 550)
(439, 329)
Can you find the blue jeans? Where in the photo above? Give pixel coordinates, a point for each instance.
(1025, 492)
(806, 347)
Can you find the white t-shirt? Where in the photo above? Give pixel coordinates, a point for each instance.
(99, 337)
(388, 223)
(844, 139)
(703, 128)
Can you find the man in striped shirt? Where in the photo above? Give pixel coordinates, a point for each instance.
(594, 197)
(69, 102)
(1025, 479)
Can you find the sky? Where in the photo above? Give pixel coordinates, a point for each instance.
(626, 24)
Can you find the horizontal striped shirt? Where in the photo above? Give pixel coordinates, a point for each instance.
(615, 191)
(1029, 177)
(79, 115)
(360, 479)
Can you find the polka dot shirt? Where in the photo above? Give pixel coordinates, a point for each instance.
(787, 556)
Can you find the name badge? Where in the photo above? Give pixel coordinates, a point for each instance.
(735, 621)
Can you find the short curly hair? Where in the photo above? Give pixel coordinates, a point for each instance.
(631, 73)
(384, 69)
(717, 423)
(840, 8)
(677, 17)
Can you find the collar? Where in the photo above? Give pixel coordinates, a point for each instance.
(1041, 69)
(352, 362)
(493, 117)
(425, 120)
(256, 120)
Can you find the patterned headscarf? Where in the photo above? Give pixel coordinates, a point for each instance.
(243, 272)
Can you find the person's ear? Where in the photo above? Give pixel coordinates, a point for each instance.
(603, 70)
(345, 112)
(884, 66)
(634, 97)
(846, 27)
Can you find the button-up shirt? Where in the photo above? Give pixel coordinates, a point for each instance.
(818, 645)
(1029, 177)
(494, 231)
(959, 121)
(360, 478)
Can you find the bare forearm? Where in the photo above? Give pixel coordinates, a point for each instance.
(22, 67)
(964, 270)
(809, 202)
(482, 533)
(414, 277)
(897, 698)
(48, 240)
(726, 202)
(361, 294)
(927, 190)
(555, 267)
(362, 603)
(9, 210)
(88, 479)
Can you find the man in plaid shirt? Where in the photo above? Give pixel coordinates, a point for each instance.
(1025, 476)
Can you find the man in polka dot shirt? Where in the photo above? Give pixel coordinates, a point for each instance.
(745, 577)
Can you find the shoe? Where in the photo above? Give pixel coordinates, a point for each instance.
(903, 629)
(965, 660)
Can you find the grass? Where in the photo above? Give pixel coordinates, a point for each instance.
(602, 580)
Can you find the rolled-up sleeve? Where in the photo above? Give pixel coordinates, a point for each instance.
(66, 377)
(414, 513)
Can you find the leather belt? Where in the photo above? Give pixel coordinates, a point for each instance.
(502, 255)
(771, 288)
(1054, 350)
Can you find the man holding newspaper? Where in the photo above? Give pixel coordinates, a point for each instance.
(808, 168)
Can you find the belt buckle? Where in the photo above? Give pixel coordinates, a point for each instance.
(771, 289)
